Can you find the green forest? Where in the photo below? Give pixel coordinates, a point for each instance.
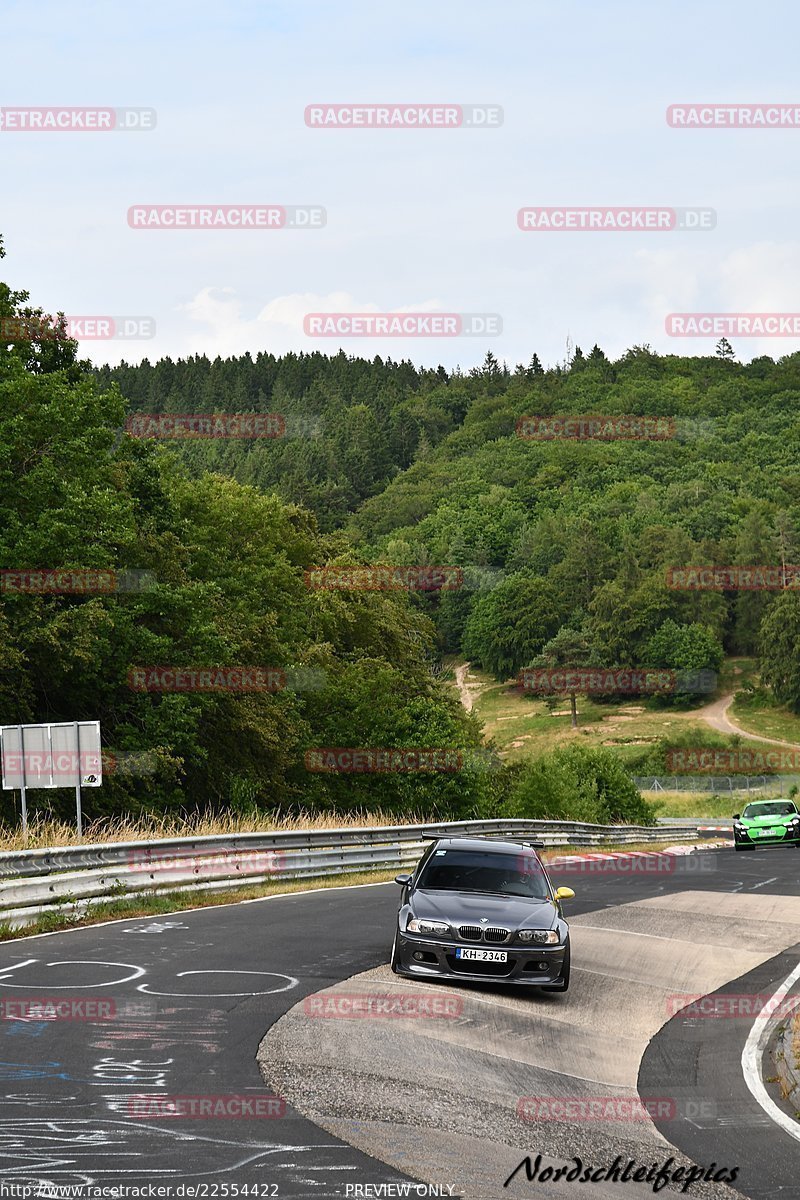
(564, 548)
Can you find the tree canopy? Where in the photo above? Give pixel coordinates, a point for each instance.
(559, 545)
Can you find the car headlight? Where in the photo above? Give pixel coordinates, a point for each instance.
(419, 926)
(540, 937)
(738, 826)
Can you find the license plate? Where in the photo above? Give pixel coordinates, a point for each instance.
(499, 956)
(769, 832)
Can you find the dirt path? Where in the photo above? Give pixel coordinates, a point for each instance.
(467, 691)
(716, 715)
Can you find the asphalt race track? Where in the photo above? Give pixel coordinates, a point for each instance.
(190, 998)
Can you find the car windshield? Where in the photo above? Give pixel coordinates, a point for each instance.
(774, 808)
(485, 871)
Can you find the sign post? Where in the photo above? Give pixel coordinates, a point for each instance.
(78, 812)
(56, 755)
(22, 784)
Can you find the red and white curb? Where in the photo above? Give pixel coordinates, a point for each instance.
(630, 857)
(626, 854)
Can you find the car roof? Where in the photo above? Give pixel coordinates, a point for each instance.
(475, 843)
(774, 800)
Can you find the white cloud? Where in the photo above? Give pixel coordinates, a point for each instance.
(762, 278)
(225, 330)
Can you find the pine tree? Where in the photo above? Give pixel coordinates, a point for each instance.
(490, 367)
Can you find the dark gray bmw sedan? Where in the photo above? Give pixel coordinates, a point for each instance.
(478, 909)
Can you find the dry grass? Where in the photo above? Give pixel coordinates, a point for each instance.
(710, 806)
(618, 848)
(795, 1027)
(45, 833)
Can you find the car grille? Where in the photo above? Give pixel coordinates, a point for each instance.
(474, 933)
(497, 935)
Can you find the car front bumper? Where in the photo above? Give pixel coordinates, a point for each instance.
(748, 838)
(429, 958)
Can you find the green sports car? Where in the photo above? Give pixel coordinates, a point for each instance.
(767, 823)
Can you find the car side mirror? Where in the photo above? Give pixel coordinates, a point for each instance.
(403, 880)
(737, 816)
(564, 893)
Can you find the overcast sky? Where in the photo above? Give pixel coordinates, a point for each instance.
(417, 220)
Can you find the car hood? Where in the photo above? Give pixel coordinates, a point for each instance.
(757, 822)
(461, 908)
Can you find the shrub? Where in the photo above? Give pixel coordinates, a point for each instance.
(578, 783)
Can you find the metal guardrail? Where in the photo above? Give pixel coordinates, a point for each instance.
(71, 878)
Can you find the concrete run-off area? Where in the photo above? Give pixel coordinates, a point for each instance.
(440, 1099)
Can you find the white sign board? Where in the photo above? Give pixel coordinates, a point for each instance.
(65, 754)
